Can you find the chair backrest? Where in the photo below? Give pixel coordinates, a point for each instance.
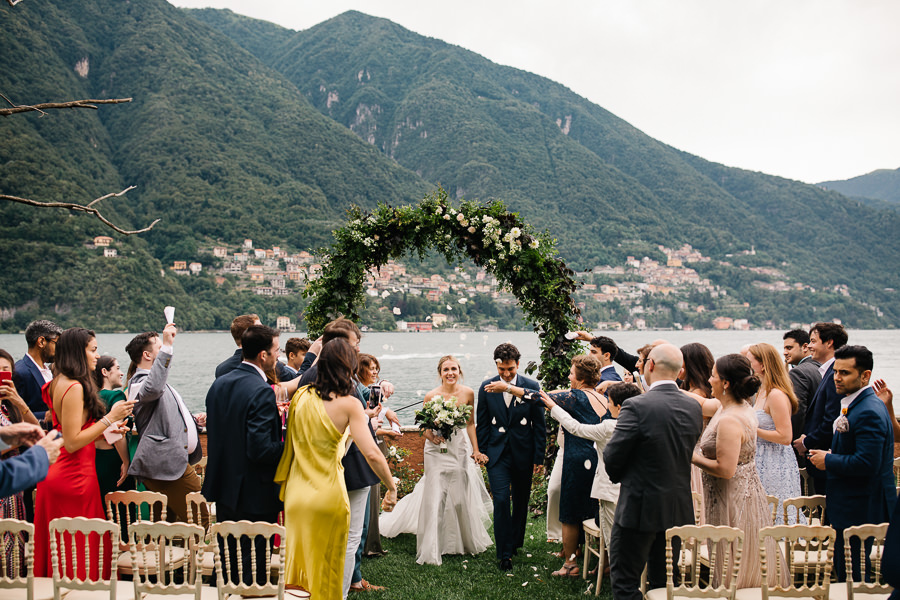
(17, 553)
(868, 559)
(724, 544)
(697, 500)
(812, 507)
(124, 508)
(773, 501)
(77, 556)
(801, 555)
(157, 576)
(200, 469)
(234, 583)
(199, 511)
(805, 482)
(897, 471)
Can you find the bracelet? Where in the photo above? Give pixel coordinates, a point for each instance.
(106, 421)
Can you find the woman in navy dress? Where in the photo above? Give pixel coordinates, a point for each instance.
(588, 406)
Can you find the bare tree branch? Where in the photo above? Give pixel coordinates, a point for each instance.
(88, 208)
(5, 112)
(13, 2)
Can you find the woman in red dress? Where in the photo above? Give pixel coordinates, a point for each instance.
(71, 488)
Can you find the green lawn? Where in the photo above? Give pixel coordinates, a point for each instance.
(467, 577)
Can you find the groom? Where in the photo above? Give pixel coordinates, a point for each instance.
(511, 435)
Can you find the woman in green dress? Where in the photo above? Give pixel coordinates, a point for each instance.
(112, 460)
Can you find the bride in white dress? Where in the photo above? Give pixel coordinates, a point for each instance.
(450, 509)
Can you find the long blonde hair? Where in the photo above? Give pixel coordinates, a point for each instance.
(775, 375)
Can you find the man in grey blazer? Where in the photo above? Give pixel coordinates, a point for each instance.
(804, 373)
(168, 442)
(650, 455)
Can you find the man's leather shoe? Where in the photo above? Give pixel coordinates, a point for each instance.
(506, 564)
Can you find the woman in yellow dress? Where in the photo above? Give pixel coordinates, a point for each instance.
(316, 507)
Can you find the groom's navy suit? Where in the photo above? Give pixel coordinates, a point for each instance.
(513, 438)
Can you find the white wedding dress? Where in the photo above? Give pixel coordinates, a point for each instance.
(449, 510)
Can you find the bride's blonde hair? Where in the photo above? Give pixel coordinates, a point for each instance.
(444, 359)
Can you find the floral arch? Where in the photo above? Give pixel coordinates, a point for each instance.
(522, 260)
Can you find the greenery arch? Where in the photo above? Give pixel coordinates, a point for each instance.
(523, 261)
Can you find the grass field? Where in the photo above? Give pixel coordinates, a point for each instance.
(469, 577)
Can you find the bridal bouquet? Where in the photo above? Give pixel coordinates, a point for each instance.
(443, 416)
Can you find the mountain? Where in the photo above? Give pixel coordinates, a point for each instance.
(883, 184)
(219, 147)
(243, 129)
(602, 186)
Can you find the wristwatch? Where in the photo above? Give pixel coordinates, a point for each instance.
(509, 388)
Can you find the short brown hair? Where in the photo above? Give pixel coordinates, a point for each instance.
(240, 325)
(587, 369)
(296, 345)
(340, 328)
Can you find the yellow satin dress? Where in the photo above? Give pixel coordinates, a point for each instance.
(316, 507)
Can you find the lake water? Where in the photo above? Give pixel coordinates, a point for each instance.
(409, 360)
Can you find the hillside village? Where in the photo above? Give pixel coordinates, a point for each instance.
(636, 286)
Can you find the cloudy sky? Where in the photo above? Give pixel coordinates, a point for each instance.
(805, 89)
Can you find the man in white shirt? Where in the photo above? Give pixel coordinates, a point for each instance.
(168, 442)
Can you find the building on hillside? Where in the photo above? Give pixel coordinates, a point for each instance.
(109, 252)
(248, 244)
(180, 266)
(220, 251)
(438, 319)
(195, 268)
(284, 324)
(722, 322)
(101, 241)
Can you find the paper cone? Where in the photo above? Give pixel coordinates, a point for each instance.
(170, 314)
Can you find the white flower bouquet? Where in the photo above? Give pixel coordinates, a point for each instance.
(443, 416)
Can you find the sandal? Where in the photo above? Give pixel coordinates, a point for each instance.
(364, 586)
(568, 570)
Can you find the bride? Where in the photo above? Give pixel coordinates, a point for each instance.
(449, 509)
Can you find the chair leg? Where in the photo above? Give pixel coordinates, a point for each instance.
(601, 554)
(587, 555)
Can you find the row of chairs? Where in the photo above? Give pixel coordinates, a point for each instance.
(801, 554)
(160, 557)
(812, 508)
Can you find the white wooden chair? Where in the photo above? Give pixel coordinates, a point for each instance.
(222, 534)
(124, 509)
(876, 588)
(20, 583)
(773, 501)
(725, 545)
(157, 575)
(202, 513)
(805, 482)
(594, 545)
(802, 556)
(71, 552)
(811, 507)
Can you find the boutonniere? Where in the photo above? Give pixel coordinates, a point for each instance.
(842, 424)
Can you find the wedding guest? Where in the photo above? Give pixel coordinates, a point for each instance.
(295, 351)
(33, 370)
(316, 505)
(112, 460)
(804, 374)
(603, 490)
(586, 405)
(368, 375)
(650, 456)
(732, 492)
(71, 488)
(775, 403)
(694, 379)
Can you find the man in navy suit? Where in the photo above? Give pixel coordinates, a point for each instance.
(511, 437)
(244, 440)
(32, 372)
(823, 409)
(605, 350)
(860, 464)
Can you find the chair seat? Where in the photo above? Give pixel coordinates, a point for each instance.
(206, 593)
(43, 590)
(124, 591)
(656, 594)
(748, 594)
(175, 556)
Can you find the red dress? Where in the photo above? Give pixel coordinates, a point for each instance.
(70, 490)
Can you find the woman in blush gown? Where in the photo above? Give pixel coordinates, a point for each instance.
(732, 493)
(775, 403)
(450, 509)
(71, 488)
